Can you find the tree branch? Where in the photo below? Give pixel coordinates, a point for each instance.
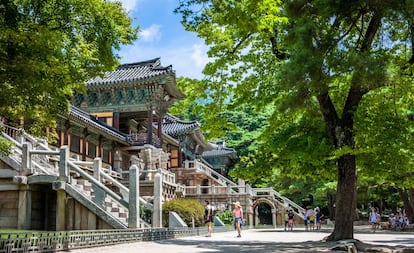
(372, 29)
(275, 49)
(329, 114)
(240, 43)
(411, 61)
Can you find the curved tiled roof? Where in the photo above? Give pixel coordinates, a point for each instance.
(176, 127)
(220, 152)
(91, 120)
(131, 73)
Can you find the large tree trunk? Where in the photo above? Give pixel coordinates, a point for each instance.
(407, 197)
(345, 199)
(341, 132)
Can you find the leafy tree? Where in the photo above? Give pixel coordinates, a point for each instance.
(317, 63)
(50, 48)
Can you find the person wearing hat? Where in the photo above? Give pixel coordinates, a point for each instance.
(238, 217)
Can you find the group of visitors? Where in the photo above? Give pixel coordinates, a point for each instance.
(398, 221)
(237, 213)
(311, 217)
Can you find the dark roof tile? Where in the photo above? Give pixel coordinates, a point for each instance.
(176, 127)
(96, 123)
(131, 73)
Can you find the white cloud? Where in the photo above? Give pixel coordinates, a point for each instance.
(199, 55)
(187, 61)
(129, 5)
(151, 33)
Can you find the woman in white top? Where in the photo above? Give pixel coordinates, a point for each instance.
(374, 218)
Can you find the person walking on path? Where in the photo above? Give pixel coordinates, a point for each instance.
(374, 218)
(286, 219)
(318, 218)
(238, 217)
(208, 216)
(291, 219)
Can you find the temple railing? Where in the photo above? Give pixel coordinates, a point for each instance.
(140, 139)
(200, 166)
(282, 200)
(69, 240)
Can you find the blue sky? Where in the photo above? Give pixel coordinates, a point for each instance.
(162, 35)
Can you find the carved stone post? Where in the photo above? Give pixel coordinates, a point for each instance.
(97, 165)
(274, 217)
(26, 160)
(63, 164)
(59, 186)
(157, 212)
(133, 212)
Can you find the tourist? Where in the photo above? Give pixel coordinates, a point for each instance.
(286, 219)
(208, 216)
(238, 217)
(374, 218)
(310, 214)
(318, 218)
(291, 220)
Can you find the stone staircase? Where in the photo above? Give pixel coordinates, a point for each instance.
(44, 164)
(202, 166)
(109, 204)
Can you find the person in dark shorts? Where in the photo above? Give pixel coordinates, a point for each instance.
(208, 216)
(291, 220)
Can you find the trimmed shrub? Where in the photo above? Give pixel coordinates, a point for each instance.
(186, 209)
(226, 217)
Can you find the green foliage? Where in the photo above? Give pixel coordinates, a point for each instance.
(337, 75)
(186, 208)
(5, 145)
(385, 150)
(146, 214)
(50, 48)
(226, 217)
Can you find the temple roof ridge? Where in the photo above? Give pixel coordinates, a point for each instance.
(93, 121)
(174, 126)
(131, 73)
(156, 62)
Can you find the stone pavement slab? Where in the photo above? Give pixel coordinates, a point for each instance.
(256, 240)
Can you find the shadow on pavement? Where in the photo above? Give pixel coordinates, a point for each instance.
(254, 246)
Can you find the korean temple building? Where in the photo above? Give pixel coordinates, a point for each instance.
(119, 148)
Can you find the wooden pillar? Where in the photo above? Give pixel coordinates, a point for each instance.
(115, 122)
(159, 130)
(99, 154)
(150, 118)
(66, 130)
(85, 136)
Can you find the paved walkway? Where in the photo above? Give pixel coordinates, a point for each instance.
(257, 240)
